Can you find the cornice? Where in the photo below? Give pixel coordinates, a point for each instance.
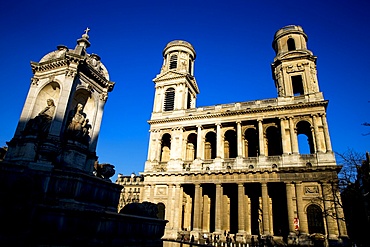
(239, 112)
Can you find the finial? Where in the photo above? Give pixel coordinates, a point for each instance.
(87, 30)
(85, 35)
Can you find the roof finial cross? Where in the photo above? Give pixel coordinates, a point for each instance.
(87, 30)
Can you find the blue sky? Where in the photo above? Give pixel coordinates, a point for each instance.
(233, 44)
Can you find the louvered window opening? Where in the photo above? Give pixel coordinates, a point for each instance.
(173, 62)
(169, 100)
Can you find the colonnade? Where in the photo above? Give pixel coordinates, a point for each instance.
(179, 148)
(250, 208)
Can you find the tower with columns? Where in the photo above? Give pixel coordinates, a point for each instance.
(242, 169)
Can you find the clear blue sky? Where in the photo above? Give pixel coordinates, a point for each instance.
(233, 44)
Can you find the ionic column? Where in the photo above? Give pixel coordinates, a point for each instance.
(326, 133)
(241, 208)
(199, 142)
(218, 207)
(239, 138)
(303, 227)
(329, 209)
(218, 141)
(265, 209)
(293, 136)
(197, 207)
(291, 207)
(261, 138)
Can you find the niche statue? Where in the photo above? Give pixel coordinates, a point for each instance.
(40, 124)
(78, 125)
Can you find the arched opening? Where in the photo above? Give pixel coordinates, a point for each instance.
(315, 219)
(191, 147)
(230, 144)
(291, 44)
(251, 142)
(169, 100)
(305, 139)
(273, 140)
(166, 147)
(210, 146)
(161, 211)
(173, 61)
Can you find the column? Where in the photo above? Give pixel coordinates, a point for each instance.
(248, 221)
(329, 210)
(261, 138)
(326, 133)
(316, 133)
(241, 208)
(197, 207)
(283, 136)
(169, 207)
(291, 206)
(340, 216)
(218, 207)
(265, 209)
(303, 227)
(199, 142)
(218, 141)
(293, 136)
(177, 207)
(239, 138)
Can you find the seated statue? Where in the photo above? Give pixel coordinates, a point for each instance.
(78, 125)
(41, 123)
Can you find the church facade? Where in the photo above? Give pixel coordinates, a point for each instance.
(236, 168)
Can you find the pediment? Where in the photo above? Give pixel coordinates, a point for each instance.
(169, 75)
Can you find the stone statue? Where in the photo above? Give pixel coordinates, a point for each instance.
(41, 123)
(104, 171)
(78, 125)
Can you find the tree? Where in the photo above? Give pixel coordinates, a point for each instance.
(354, 201)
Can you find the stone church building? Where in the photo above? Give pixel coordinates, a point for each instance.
(236, 168)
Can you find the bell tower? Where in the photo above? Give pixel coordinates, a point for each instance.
(294, 67)
(175, 86)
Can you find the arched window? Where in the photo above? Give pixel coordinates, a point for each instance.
(251, 142)
(305, 139)
(173, 61)
(230, 145)
(165, 147)
(191, 147)
(291, 44)
(169, 100)
(210, 146)
(315, 219)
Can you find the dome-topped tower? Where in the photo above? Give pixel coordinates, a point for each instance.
(176, 87)
(294, 67)
(179, 56)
